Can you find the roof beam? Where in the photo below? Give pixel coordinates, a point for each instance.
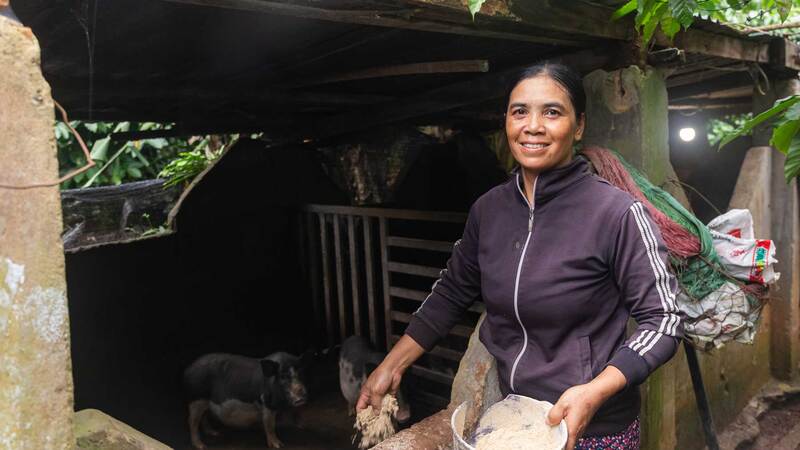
(479, 89)
(425, 68)
(412, 17)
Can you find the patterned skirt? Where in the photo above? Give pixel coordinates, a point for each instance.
(627, 439)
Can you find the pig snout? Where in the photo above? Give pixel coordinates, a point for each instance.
(298, 394)
(296, 391)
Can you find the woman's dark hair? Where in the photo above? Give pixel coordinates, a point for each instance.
(562, 74)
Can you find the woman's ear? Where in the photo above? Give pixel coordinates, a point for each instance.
(581, 127)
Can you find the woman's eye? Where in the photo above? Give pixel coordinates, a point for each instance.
(552, 113)
(518, 112)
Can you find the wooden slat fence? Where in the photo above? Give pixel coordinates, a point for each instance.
(371, 268)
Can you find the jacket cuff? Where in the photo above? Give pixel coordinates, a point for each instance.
(633, 366)
(422, 333)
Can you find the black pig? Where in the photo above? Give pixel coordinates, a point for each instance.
(241, 392)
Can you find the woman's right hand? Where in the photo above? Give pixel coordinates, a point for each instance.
(383, 380)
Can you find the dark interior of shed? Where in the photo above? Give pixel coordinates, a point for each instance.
(230, 280)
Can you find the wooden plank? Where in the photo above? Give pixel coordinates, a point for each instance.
(422, 244)
(715, 44)
(420, 296)
(458, 330)
(399, 16)
(414, 269)
(425, 68)
(409, 294)
(373, 319)
(721, 83)
(326, 279)
(313, 255)
(337, 248)
(402, 214)
(351, 241)
(387, 300)
(477, 89)
(432, 375)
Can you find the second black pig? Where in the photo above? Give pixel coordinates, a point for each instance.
(357, 359)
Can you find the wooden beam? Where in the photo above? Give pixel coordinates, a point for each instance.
(784, 54)
(479, 89)
(719, 45)
(729, 81)
(400, 17)
(459, 66)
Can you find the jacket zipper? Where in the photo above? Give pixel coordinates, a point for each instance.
(531, 206)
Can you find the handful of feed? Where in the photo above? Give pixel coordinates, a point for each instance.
(518, 423)
(375, 427)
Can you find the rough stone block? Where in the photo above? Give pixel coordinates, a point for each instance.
(95, 430)
(35, 371)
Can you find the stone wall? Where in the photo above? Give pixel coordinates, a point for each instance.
(735, 373)
(35, 372)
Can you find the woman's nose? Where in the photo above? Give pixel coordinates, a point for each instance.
(534, 124)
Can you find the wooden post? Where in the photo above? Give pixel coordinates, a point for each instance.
(626, 110)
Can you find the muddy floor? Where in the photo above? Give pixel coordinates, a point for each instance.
(321, 425)
(780, 427)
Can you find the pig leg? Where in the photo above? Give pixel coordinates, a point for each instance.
(197, 409)
(268, 420)
(205, 425)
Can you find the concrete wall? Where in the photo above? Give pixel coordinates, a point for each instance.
(35, 380)
(733, 374)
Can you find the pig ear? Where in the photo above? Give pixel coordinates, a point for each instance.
(269, 367)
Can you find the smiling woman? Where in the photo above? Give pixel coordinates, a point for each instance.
(562, 261)
(543, 120)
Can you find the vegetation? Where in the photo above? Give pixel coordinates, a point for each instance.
(121, 161)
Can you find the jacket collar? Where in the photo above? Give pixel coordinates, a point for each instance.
(552, 182)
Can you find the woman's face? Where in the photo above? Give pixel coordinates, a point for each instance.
(541, 124)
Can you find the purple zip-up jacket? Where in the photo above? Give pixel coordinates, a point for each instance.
(560, 279)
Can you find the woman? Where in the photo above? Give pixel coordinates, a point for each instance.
(562, 260)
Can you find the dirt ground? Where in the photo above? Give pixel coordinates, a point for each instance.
(780, 427)
(322, 425)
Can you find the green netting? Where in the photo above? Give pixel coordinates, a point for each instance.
(699, 275)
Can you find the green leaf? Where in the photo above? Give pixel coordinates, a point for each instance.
(683, 11)
(650, 26)
(474, 7)
(100, 149)
(791, 167)
(670, 27)
(793, 113)
(91, 127)
(122, 127)
(134, 172)
(783, 135)
(784, 8)
(780, 106)
(62, 131)
(156, 143)
(625, 9)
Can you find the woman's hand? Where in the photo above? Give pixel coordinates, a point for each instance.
(383, 380)
(578, 404)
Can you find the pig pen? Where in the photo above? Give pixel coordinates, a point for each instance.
(236, 278)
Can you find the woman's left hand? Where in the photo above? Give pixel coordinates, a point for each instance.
(578, 404)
